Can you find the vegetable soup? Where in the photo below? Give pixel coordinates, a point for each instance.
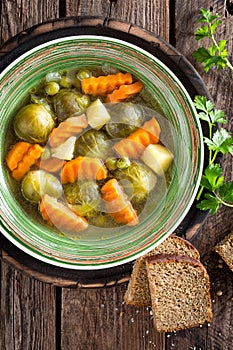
(88, 149)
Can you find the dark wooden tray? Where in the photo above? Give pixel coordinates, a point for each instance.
(156, 46)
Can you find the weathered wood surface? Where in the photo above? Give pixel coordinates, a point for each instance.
(37, 315)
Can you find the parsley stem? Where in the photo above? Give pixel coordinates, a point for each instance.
(200, 193)
(214, 157)
(222, 201)
(228, 64)
(210, 137)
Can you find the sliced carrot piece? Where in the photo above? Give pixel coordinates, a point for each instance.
(124, 92)
(117, 204)
(83, 168)
(69, 127)
(52, 165)
(14, 156)
(103, 85)
(21, 157)
(134, 145)
(60, 216)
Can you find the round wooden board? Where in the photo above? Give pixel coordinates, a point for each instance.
(156, 46)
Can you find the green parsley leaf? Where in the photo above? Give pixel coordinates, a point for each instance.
(202, 33)
(209, 203)
(226, 191)
(203, 104)
(214, 25)
(221, 142)
(207, 16)
(212, 179)
(217, 116)
(216, 54)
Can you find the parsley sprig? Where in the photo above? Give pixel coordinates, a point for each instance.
(216, 54)
(219, 141)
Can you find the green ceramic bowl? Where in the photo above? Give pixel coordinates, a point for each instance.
(181, 132)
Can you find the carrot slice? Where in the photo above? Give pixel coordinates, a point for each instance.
(134, 145)
(21, 157)
(52, 165)
(69, 127)
(103, 85)
(117, 204)
(124, 92)
(83, 168)
(14, 156)
(60, 216)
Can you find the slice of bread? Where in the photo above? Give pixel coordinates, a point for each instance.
(180, 292)
(138, 293)
(225, 250)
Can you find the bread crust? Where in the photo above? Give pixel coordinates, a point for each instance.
(225, 249)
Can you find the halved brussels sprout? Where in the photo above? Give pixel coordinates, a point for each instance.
(38, 182)
(33, 123)
(126, 117)
(93, 143)
(68, 103)
(84, 196)
(138, 180)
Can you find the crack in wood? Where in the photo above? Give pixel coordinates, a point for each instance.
(229, 6)
(62, 8)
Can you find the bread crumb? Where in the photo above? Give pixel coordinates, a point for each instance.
(219, 293)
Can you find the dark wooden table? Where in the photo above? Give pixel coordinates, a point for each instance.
(39, 315)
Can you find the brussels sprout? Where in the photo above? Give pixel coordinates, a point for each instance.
(93, 143)
(38, 182)
(125, 118)
(33, 123)
(84, 196)
(137, 180)
(67, 103)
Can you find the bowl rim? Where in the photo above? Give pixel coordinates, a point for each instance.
(120, 261)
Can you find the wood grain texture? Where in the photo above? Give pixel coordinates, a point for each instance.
(218, 335)
(21, 14)
(27, 307)
(28, 312)
(152, 15)
(103, 321)
(90, 8)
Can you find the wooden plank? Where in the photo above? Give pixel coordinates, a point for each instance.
(101, 320)
(27, 307)
(219, 334)
(151, 15)
(28, 312)
(88, 8)
(21, 14)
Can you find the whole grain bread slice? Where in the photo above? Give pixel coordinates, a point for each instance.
(138, 293)
(225, 249)
(180, 292)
